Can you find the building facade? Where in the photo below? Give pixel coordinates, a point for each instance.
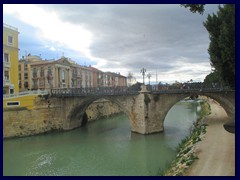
(38, 74)
(46, 75)
(24, 68)
(10, 59)
(114, 80)
(87, 77)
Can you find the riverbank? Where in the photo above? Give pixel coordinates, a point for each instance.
(216, 151)
(186, 148)
(213, 155)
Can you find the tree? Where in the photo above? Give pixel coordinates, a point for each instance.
(211, 78)
(221, 28)
(195, 7)
(130, 78)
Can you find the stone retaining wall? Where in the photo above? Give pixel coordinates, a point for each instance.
(22, 122)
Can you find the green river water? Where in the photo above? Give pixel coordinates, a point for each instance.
(102, 148)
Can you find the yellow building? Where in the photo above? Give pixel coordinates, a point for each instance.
(10, 59)
(26, 101)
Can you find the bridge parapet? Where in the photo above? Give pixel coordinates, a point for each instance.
(100, 91)
(103, 91)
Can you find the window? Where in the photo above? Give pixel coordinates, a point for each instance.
(41, 83)
(35, 83)
(42, 72)
(6, 75)
(10, 40)
(6, 57)
(19, 67)
(13, 103)
(19, 76)
(49, 71)
(25, 67)
(4, 90)
(63, 76)
(25, 76)
(34, 72)
(11, 91)
(25, 84)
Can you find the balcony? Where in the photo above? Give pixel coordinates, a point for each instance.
(6, 64)
(7, 82)
(49, 77)
(35, 77)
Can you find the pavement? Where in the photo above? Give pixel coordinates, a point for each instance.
(216, 151)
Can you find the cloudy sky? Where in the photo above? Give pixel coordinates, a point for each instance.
(167, 40)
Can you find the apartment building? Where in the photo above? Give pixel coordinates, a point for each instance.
(87, 77)
(114, 79)
(24, 68)
(10, 59)
(35, 73)
(46, 75)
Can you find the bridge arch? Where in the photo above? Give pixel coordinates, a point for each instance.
(225, 99)
(77, 111)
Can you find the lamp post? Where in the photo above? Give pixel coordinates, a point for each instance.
(149, 76)
(143, 71)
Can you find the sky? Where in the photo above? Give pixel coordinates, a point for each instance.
(167, 40)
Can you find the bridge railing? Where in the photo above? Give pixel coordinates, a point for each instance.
(188, 87)
(100, 91)
(25, 93)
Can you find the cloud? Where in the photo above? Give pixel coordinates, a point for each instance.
(167, 39)
(50, 27)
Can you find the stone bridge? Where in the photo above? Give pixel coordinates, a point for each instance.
(145, 109)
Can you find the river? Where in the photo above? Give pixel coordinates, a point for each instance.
(102, 148)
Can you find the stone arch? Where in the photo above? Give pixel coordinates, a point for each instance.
(224, 101)
(76, 113)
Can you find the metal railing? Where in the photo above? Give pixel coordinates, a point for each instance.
(6, 64)
(156, 89)
(101, 91)
(187, 88)
(26, 93)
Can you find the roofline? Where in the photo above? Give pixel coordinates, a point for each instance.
(10, 27)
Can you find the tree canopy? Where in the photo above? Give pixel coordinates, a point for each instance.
(195, 7)
(221, 28)
(211, 78)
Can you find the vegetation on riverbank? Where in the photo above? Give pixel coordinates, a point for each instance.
(186, 149)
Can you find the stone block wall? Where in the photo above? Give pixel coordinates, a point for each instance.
(46, 116)
(102, 108)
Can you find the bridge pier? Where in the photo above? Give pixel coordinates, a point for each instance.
(145, 116)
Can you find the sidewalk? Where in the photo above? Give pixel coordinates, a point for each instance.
(216, 151)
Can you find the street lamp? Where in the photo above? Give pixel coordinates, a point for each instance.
(143, 71)
(149, 76)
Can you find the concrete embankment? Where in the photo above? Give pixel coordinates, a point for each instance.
(18, 122)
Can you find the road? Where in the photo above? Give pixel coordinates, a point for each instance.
(216, 152)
